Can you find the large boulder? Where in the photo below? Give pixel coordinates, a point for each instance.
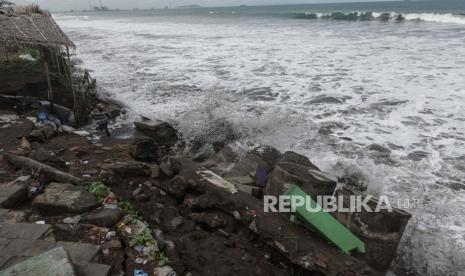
(65, 197)
(13, 193)
(162, 132)
(268, 153)
(54, 262)
(147, 149)
(293, 168)
(105, 217)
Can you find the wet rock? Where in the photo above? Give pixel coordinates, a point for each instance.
(53, 262)
(128, 169)
(104, 217)
(247, 165)
(14, 193)
(212, 220)
(268, 153)
(155, 171)
(418, 155)
(162, 132)
(65, 197)
(146, 149)
(177, 186)
(165, 167)
(293, 157)
(226, 157)
(313, 182)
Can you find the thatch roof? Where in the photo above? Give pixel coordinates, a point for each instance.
(35, 27)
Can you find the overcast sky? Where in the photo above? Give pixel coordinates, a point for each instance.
(59, 5)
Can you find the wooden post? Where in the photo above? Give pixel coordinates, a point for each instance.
(49, 83)
(71, 82)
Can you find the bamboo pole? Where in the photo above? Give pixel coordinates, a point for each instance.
(70, 75)
(49, 82)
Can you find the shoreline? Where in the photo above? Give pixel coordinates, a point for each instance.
(160, 186)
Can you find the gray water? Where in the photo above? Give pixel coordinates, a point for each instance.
(325, 88)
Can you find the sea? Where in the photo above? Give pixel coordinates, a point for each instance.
(372, 97)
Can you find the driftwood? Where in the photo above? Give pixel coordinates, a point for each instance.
(54, 174)
(301, 246)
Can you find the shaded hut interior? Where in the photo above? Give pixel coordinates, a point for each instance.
(35, 61)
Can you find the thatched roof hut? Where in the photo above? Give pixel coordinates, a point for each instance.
(31, 26)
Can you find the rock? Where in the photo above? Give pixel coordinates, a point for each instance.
(104, 217)
(164, 271)
(268, 153)
(50, 159)
(25, 145)
(293, 157)
(65, 197)
(72, 220)
(111, 244)
(13, 193)
(165, 167)
(137, 191)
(147, 149)
(155, 171)
(79, 151)
(213, 219)
(313, 182)
(162, 132)
(128, 169)
(175, 223)
(9, 216)
(142, 197)
(42, 134)
(226, 157)
(247, 165)
(54, 262)
(177, 186)
(242, 180)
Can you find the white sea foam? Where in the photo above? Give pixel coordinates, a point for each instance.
(397, 85)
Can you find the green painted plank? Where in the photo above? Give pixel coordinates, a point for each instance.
(325, 224)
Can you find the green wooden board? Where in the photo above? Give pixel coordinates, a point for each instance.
(325, 224)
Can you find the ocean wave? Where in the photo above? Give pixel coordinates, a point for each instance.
(385, 16)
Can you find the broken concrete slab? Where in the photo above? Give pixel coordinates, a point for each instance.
(54, 262)
(65, 197)
(105, 217)
(162, 132)
(29, 231)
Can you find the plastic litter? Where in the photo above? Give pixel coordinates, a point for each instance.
(140, 272)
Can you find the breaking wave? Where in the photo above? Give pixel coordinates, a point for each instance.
(386, 16)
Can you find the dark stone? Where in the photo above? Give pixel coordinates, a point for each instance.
(105, 217)
(42, 134)
(177, 186)
(247, 165)
(128, 169)
(165, 167)
(147, 149)
(313, 182)
(111, 244)
(63, 197)
(13, 193)
(162, 132)
(293, 157)
(268, 153)
(175, 223)
(49, 159)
